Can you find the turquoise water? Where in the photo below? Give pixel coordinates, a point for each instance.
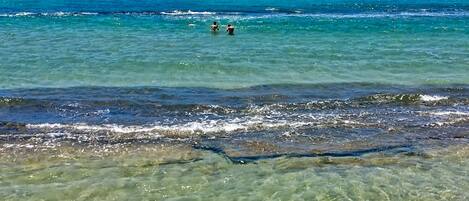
(410, 45)
(309, 100)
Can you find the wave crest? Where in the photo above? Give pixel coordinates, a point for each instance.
(56, 14)
(402, 98)
(189, 12)
(268, 13)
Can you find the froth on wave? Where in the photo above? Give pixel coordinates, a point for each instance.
(387, 15)
(58, 14)
(211, 126)
(268, 13)
(403, 98)
(449, 113)
(189, 12)
(432, 98)
(255, 123)
(446, 117)
(271, 9)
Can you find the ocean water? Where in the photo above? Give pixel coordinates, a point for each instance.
(309, 100)
(168, 44)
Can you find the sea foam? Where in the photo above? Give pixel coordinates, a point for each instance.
(429, 98)
(189, 12)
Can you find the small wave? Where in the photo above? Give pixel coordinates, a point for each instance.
(24, 14)
(56, 14)
(402, 98)
(189, 12)
(19, 14)
(85, 127)
(271, 9)
(383, 15)
(267, 13)
(255, 123)
(447, 113)
(10, 101)
(301, 14)
(429, 98)
(68, 14)
(446, 118)
(211, 126)
(449, 122)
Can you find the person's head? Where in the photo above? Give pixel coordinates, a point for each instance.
(229, 25)
(214, 23)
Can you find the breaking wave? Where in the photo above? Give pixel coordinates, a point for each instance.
(211, 126)
(402, 98)
(449, 113)
(432, 98)
(267, 14)
(189, 12)
(11, 101)
(57, 14)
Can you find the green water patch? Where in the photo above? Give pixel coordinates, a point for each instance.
(175, 172)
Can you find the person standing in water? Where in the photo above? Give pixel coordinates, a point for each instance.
(214, 27)
(230, 29)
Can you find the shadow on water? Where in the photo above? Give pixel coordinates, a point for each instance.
(249, 159)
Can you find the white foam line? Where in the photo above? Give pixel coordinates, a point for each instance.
(271, 9)
(189, 12)
(449, 113)
(105, 127)
(59, 14)
(211, 126)
(382, 15)
(24, 14)
(192, 127)
(296, 14)
(429, 98)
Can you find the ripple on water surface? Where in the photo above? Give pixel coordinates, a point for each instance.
(172, 171)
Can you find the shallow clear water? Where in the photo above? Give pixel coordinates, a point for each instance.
(177, 173)
(309, 100)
